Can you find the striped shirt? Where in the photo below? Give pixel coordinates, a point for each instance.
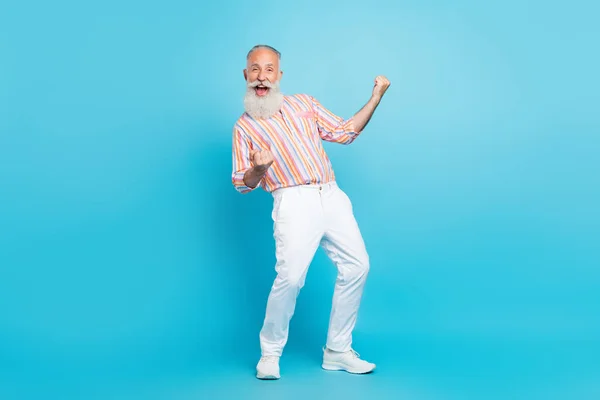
(294, 136)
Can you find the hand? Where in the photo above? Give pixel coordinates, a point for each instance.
(381, 85)
(261, 159)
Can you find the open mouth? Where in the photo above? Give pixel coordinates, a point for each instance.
(261, 90)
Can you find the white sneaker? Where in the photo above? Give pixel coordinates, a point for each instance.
(348, 361)
(268, 368)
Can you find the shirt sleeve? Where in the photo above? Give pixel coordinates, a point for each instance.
(241, 161)
(331, 127)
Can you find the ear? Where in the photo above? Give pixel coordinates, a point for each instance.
(280, 74)
(245, 74)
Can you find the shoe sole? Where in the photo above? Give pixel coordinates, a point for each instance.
(341, 367)
(267, 377)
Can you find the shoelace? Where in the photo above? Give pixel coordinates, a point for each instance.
(269, 359)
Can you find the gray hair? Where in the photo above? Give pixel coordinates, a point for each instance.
(264, 46)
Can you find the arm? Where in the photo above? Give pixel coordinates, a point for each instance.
(253, 176)
(241, 163)
(249, 166)
(362, 118)
(333, 129)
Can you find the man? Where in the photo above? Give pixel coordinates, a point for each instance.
(277, 144)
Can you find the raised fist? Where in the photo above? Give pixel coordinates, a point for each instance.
(261, 159)
(381, 85)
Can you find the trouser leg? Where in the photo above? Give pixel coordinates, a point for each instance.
(298, 230)
(344, 245)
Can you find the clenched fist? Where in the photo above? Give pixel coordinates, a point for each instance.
(381, 85)
(261, 159)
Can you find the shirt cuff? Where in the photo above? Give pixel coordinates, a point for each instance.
(349, 127)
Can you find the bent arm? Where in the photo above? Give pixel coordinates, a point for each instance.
(333, 128)
(362, 117)
(244, 177)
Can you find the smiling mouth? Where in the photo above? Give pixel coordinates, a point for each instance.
(261, 90)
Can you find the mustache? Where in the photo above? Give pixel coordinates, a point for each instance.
(259, 83)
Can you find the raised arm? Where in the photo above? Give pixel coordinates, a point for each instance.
(333, 128)
(362, 118)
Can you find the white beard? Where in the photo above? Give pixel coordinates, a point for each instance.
(263, 106)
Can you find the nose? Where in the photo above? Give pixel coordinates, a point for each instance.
(261, 76)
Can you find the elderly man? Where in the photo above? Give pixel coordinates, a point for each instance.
(277, 145)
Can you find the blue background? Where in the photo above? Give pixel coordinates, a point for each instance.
(131, 269)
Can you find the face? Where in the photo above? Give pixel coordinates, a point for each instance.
(262, 71)
(263, 97)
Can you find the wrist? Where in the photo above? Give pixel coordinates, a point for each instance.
(260, 169)
(375, 99)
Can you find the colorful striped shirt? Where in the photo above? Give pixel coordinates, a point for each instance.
(294, 137)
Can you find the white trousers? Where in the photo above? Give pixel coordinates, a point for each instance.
(306, 217)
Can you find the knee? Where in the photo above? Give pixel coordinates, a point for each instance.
(295, 282)
(289, 281)
(361, 267)
(364, 264)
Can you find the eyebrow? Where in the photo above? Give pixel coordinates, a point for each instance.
(267, 65)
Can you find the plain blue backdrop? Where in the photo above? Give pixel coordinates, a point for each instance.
(131, 269)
